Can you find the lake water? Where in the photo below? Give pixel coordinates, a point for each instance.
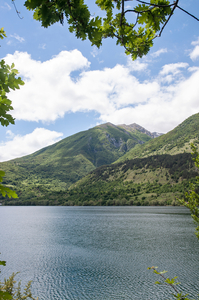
(99, 252)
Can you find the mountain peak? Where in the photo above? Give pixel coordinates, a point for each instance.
(105, 125)
(130, 128)
(134, 126)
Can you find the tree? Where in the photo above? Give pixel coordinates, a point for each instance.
(169, 282)
(9, 291)
(4, 294)
(191, 199)
(134, 28)
(5, 190)
(8, 80)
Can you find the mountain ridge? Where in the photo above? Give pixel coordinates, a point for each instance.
(173, 142)
(63, 170)
(135, 126)
(65, 162)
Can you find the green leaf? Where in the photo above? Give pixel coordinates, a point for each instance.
(157, 282)
(5, 295)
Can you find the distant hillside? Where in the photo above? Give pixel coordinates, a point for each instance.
(154, 180)
(107, 165)
(58, 166)
(176, 141)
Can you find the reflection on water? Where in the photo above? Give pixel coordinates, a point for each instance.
(99, 252)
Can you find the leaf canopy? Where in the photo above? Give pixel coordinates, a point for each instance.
(134, 29)
(8, 81)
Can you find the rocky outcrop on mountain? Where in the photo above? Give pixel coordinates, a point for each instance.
(134, 126)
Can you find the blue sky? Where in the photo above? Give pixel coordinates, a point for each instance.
(71, 86)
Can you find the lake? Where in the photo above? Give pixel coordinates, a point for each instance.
(99, 252)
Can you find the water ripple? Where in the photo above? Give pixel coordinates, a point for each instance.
(99, 253)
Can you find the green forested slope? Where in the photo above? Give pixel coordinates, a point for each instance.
(176, 141)
(148, 172)
(154, 180)
(58, 166)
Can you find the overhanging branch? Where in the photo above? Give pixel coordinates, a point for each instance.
(187, 13)
(156, 5)
(175, 5)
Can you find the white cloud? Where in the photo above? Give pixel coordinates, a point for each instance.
(195, 53)
(52, 89)
(18, 38)
(157, 53)
(165, 109)
(128, 7)
(173, 68)
(136, 65)
(172, 72)
(9, 134)
(29, 143)
(193, 69)
(49, 91)
(195, 42)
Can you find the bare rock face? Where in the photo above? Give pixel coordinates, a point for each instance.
(116, 143)
(134, 126)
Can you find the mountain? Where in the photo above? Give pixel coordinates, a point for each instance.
(107, 165)
(58, 166)
(154, 173)
(176, 141)
(153, 180)
(133, 127)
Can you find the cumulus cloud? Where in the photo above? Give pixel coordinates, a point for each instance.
(195, 53)
(49, 91)
(173, 68)
(136, 65)
(157, 53)
(66, 84)
(29, 143)
(9, 134)
(195, 42)
(171, 72)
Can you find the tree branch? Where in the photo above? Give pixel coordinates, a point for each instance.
(122, 13)
(155, 5)
(175, 5)
(137, 12)
(128, 25)
(18, 13)
(187, 13)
